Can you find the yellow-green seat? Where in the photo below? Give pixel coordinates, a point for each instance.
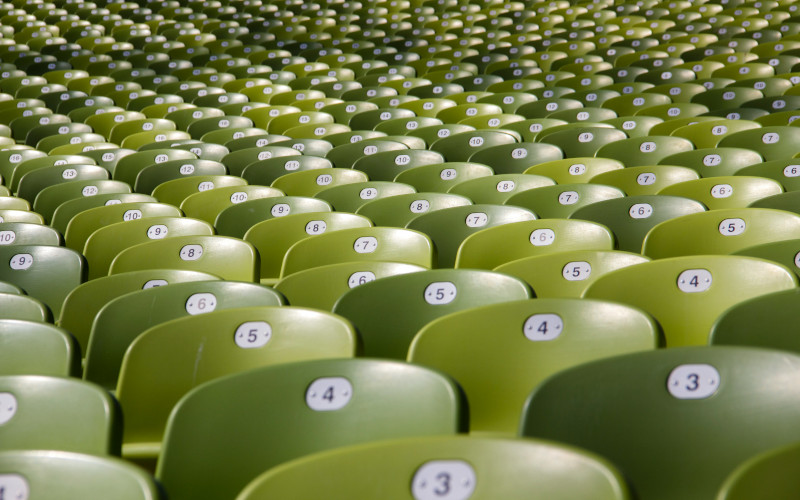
(647, 150)
(37, 348)
(496, 189)
(728, 191)
(311, 182)
(404, 467)
(237, 219)
(574, 170)
(519, 344)
(645, 180)
(715, 161)
(50, 198)
(461, 146)
(772, 143)
(700, 286)
(226, 257)
(562, 200)
(517, 157)
(441, 177)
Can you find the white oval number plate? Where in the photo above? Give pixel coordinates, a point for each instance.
(191, 252)
(440, 293)
(477, 219)
(694, 280)
(8, 407)
(542, 237)
(366, 244)
(157, 232)
(543, 327)
(693, 381)
(13, 487)
(444, 480)
(329, 393)
(21, 261)
(253, 334)
(732, 227)
(200, 303)
(360, 278)
(576, 271)
(7, 237)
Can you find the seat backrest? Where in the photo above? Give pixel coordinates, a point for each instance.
(464, 467)
(647, 150)
(701, 287)
(298, 409)
(26, 233)
(359, 244)
(226, 257)
(449, 227)
(83, 224)
(51, 197)
(562, 200)
(498, 188)
(720, 231)
(498, 245)
(632, 217)
(772, 143)
(515, 158)
(642, 410)
(413, 300)
(162, 364)
(37, 348)
(107, 242)
(441, 177)
(73, 476)
(350, 197)
(85, 301)
(520, 344)
(768, 475)
(58, 413)
(732, 191)
(64, 213)
(124, 318)
(237, 219)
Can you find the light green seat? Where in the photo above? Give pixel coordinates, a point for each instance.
(729, 191)
(36, 348)
(46, 273)
(578, 140)
(384, 400)
(67, 210)
(128, 167)
(207, 205)
(484, 250)
(83, 224)
(161, 364)
(708, 134)
(226, 257)
(461, 146)
(265, 172)
(396, 469)
(58, 413)
(32, 183)
(28, 165)
(449, 227)
(74, 476)
(781, 251)
(414, 300)
(152, 176)
(700, 286)
(320, 287)
(26, 233)
(397, 211)
(632, 217)
(15, 305)
(237, 219)
(311, 182)
(646, 180)
(574, 170)
(786, 171)
(358, 245)
(124, 318)
(644, 409)
(51, 197)
(274, 237)
(107, 242)
(720, 232)
(568, 273)
(518, 345)
(562, 200)
(86, 300)
(345, 155)
(175, 191)
(238, 160)
(498, 188)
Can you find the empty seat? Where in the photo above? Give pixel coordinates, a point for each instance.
(35, 348)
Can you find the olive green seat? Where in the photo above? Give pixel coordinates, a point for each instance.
(700, 286)
(58, 413)
(461, 146)
(646, 180)
(414, 300)
(161, 364)
(574, 170)
(449, 227)
(274, 237)
(516, 157)
(226, 257)
(786, 171)
(783, 201)
(128, 167)
(303, 408)
(50, 198)
(482, 468)
(642, 410)
(350, 197)
(499, 353)
(15, 305)
(632, 217)
(397, 211)
(175, 191)
(152, 176)
(772, 143)
(647, 150)
(237, 219)
(768, 475)
(26, 233)
(708, 134)
(265, 172)
(83, 224)
(107, 242)
(311, 182)
(345, 155)
(46, 273)
(86, 300)
(498, 188)
(36, 348)
(386, 165)
(67, 210)
(237, 160)
(715, 161)
(562, 200)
